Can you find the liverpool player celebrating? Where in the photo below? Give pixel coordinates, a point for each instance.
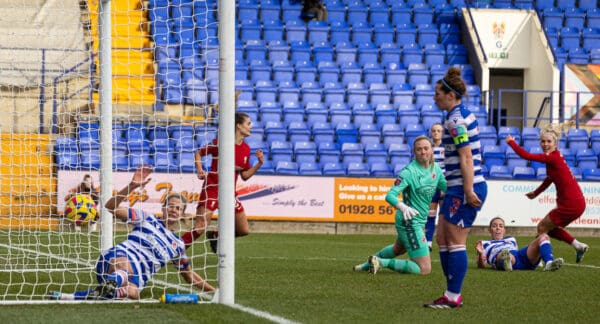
(570, 203)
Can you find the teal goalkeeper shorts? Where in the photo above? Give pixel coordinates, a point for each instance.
(412, 236)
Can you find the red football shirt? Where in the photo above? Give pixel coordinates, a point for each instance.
(557, 172)
(242, 161)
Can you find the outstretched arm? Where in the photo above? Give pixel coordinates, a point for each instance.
(481, 259)
(544, 158)
(195, 279)
(139, 179)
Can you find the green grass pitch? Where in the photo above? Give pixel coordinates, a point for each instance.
(309, 279)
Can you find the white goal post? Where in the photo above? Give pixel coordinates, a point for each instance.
(88, 88)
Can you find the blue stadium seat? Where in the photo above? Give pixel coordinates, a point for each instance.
(412, 53)
(275, 131)
(590, 38)
(569, 156)
(259, 70)
(400, 154)
(305, 151)
(407, 117)
(523, 172)
(412, 131)
(278, 50)
(430, 117)
(540, 173)
(595, 140)
(310, 169)
(272, 30)
(318, 31)
(282, 71)
(569, 38)
(435, 54)
(267, 168)
(552, 17)
(367, 53)
(593, 18)
(449, 34)
(339, 31)
(488, 135)
(531, 137)
(333, 92)
(574, 17)
(406, 33)
(250, 29)
(587, 4)
(345, 52)
(290, 10)
(352, 152)
(385, 114)
(361, 32)
(367, 131)
(265, 90)
(328, 71)
(503, 131)
(357, 11)
(400, 13)
(591, 174)
(493, 155)
(389, 53)
(305, 72)
(336, 11)
(270, 111)
(333, 169)
(456, 54)
(298, 131)
(311, 92)
(586, 159)
(316, 112)
(280, 151)
(577, 138)
(288, 92)
(356, 92)
(513, 160)
(565, 4)
(328, 152)
(422, 13)
(379, 93)
(427, 33)
(357, 169)
(322, 51)
(379, 11)
(418, 73)
(269, 10)
(402, 93)
(295, 30)
(165, 162)
(346, 133)
(286, 168)
(395, 73)
(383, 32)
(500, 172)
(375, 152)
(247, 9)
(299, 51)
(185, 161)
(373, 73)
(322, 132)
(350, 72)
(392, 134)
(577, 173)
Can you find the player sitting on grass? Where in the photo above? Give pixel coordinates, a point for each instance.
(124, 270)
(502, 252)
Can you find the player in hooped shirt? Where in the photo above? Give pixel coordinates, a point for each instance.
(124, 270)
(570, 203)
(503, 253)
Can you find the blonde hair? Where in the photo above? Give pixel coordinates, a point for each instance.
(424, 138)
(552, 130)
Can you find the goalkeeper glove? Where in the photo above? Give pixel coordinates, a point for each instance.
(407, 211)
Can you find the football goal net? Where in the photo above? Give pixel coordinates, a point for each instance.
(90, 90)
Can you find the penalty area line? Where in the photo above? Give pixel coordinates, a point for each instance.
(262, 314)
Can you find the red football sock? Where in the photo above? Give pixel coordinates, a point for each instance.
(561, 234)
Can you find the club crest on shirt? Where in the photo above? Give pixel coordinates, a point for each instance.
(398, 181)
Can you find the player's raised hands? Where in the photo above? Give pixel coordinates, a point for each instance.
(140, 176)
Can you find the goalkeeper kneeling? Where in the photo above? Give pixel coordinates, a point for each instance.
(124, 270)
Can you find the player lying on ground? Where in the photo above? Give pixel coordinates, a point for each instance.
(124, 270)
(417, 182)
(502, 252)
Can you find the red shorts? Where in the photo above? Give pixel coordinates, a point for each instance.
(564, 214)
(209, 198)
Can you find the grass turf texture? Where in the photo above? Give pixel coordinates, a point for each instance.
(309, 278)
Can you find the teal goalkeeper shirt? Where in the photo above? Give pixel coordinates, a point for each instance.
(417, 186)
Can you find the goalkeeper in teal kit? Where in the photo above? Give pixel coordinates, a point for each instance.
(417, 182)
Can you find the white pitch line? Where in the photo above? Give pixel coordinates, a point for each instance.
(261, 314)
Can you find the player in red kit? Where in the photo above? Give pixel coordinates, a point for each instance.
(570, 203)
(209, 195)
